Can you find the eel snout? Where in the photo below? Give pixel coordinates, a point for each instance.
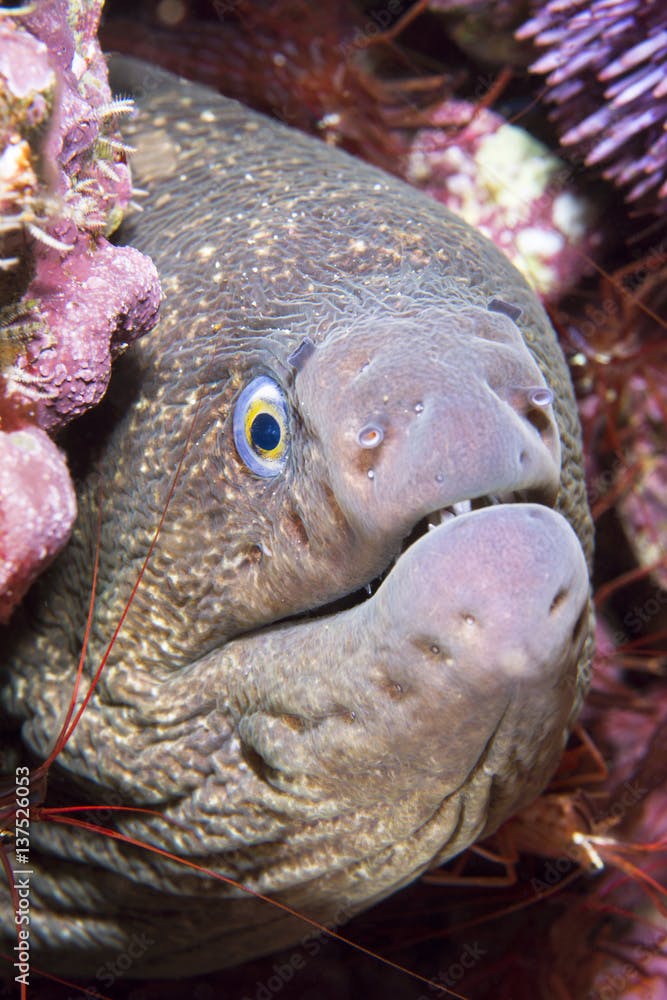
(419, 416)
(495, 598)
(453, 683)
(483, 620)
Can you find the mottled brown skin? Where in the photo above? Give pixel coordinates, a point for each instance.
(324, 761)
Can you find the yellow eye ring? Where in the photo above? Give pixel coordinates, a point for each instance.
(260, 427)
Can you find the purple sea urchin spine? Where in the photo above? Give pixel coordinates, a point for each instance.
(606, 74)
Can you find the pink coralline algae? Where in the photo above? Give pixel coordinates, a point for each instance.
(70, 301)
(510, 187)
(37, 508)
(94, 305)
(643, 509)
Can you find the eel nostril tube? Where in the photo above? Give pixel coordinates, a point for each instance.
(370, 436)
(540, 396)
(525, 398)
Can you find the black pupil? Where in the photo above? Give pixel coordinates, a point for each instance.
(265, 432)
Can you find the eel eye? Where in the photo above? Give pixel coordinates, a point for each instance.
(260, 427)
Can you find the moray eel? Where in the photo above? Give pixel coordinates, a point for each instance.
(365, 630)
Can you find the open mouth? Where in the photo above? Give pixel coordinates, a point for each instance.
(444, 514)
(435, 519)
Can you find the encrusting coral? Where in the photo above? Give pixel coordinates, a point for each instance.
(69, 300)
(508, 185)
